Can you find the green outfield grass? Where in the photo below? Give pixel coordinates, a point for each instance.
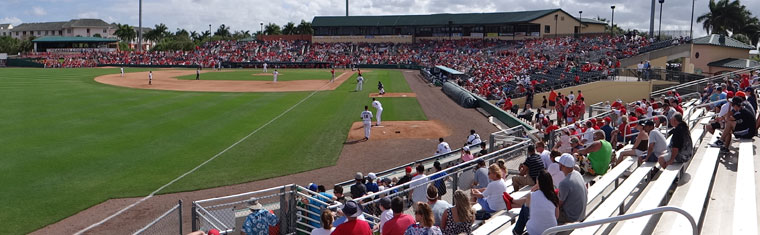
(70, 143)
(257, 74)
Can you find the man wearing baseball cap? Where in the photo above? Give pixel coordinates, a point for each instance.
(352, 210)
(358, 189)
(572, 192)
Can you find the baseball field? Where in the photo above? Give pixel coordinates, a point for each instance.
(69, 142)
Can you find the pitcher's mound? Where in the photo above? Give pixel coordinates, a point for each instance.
(393, 95)
(400, 130)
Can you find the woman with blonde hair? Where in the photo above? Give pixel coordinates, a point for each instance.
(458, 219)
(327, 221)
(503, 166)
(491, 198)
(424, 216)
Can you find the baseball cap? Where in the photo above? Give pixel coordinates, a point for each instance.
(213, 231)
(313, 187)
(372, 176)
(566, 160)
(741, 94)
(358, 176)
(607, 119)
(729, 94)
(351, 209)
(386, 180)
(640, 110)
(408, 169)
(649, 123)
(465, 148)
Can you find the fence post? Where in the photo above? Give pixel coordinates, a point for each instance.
(194, 217)
(292, 209)
(180, 217)
(282, 210)
(491, 143)
(455, 183)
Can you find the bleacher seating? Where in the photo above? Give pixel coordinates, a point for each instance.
(745, 201)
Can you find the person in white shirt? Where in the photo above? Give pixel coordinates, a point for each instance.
(379, 110)
(327, 221)
(554, 169)
(265, 67)
(274, 74)
(122, 71)
(367, 119)
(443, 147)
(491, 198)
(545, 154)
(419, 188)
(474, 138)
(387, 213)
(359, 83)
(588, 136)
(150, 78)
(571, 98)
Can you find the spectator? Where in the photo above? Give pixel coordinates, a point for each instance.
(681, 148)
(503, 166)
(371, 185)
(466, 155)
(327, 219)
(400, 221)
(358, 189)
(599, 155)
(640, 145)
(418, 185)
(544, 153)
(658, 145)
(607, 128)
(407, 177)
(744, 126)
(481, 175)
(353, 226)
(483, 149)
(572, 192)
(439, 179)
(554, 169)
(490, 198)
(473, 138)
(438, 206)
(443, 147)
(458, 219)
(529, 170)
(387, 212)
(259, 221)
(319, 201)
(424, 225)
(542, 208)
(339, 197)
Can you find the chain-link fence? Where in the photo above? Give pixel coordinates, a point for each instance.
(168, 223)
(228, 214)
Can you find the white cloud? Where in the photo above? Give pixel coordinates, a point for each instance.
(37, 11)
(89, 14)
(10, 20)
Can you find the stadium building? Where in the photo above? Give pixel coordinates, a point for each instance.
(517, 25)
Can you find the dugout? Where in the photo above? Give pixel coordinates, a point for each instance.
(444, 73)
(75, 44)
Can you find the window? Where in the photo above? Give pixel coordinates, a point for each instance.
(105, 30)
(88, 31)
(562, 18)
(547, 29)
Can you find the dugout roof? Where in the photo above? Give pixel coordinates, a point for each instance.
(449, 70)
(434, 19)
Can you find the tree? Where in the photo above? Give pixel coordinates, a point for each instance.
(125, 32)
(97, 35)
(742, 38)
(241, 34)
(289, 29)
(304, 28)
(723, 17)
(223, 31)
(272, 29)
(158, 33)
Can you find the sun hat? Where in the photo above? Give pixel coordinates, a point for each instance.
(351, 209)
(254, 204)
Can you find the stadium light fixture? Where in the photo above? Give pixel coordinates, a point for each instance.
(659, 30)
(612, 24)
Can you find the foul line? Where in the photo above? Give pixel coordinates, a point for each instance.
(199, 166)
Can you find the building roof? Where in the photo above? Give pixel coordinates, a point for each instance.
(5, 26)
(39, 26)
(86, 23)
(434, 19)
(734, 63)
(74, 39)
(592, 21)
(721, 40)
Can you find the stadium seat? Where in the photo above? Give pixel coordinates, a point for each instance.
(745, 203)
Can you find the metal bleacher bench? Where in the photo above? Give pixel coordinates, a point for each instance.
(745, 203)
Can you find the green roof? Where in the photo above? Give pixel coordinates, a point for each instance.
(721, 40)
(74, 39)
(449, 70)
(734, 63)
(434, 19)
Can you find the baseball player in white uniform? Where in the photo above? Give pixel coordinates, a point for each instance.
(274, 74)
(265, 67)
(359, 83)
(367, 119)
(379, 107)
(150, 78)
(122, 71)
(474, 138)
(443, 147)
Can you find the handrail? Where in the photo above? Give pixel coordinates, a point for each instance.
(658, 210)
(704, 80)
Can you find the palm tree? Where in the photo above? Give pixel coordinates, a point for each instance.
(289, 29)
(724, 16)
(223, 31)
(304, 28)
(272, 29)
(157, 33)
(125, 32)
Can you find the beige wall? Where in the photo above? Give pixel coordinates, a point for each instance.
(358, 39)
(565, 23)
(599, 92)
(708, 53)
(593, 28)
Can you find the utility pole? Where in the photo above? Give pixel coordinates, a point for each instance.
(580, 22)
(346, 7)
(612, 24)
(651, 19)
(691, 24)
(139, 28)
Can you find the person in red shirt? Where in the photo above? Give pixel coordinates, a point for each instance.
(577, 79)
(352, 211)
(580, 95)
(507, 104)
(551, 127)
(400, 221)
(333, 74)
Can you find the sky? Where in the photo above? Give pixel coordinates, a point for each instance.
(196, 15)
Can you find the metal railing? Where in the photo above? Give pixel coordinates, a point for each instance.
(696, 83)
(228, 213)
(658, 210)
(170, 222)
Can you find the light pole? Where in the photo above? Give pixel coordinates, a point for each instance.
(262, 28)
(580, 22)
(691, 25)
(209, 29)
(139, 29)
(612, 24)
(659, 30)
(555, 25)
